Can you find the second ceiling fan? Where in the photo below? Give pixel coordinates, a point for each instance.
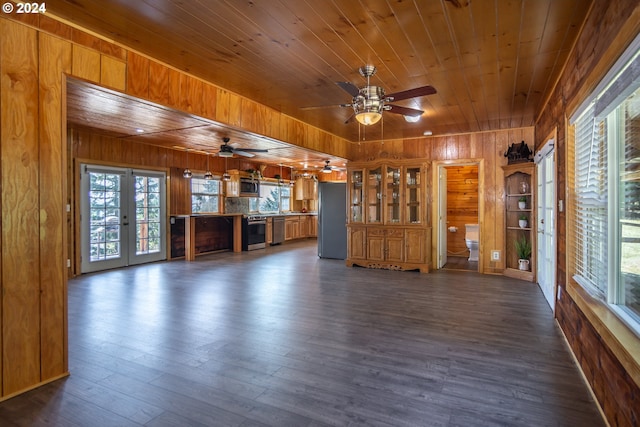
(370, 101)
(227, 150)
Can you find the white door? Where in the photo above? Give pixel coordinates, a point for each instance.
(546, 214)
(442, 216)
(122, 217)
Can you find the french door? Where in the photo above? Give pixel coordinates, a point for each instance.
(546, 214)
(122, 217)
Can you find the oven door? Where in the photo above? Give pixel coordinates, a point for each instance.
(253, 234)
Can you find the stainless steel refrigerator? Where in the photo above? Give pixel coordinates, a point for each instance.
(332, 220)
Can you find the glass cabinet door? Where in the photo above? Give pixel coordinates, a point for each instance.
(392, 195)
(413, 195)
(356, 195)
(374, 195)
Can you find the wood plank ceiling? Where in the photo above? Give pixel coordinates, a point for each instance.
(492, 62)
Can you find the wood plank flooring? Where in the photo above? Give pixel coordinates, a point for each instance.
(460, 263)
(279, 337)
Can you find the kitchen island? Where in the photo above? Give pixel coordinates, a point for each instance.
(193, 235)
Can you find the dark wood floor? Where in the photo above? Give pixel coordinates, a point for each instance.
(460, 263)
(279, 337)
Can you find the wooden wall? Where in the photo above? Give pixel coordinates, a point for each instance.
(485, 148)
(610, 369)
(33, 181)
(36, 53)
(462, 205)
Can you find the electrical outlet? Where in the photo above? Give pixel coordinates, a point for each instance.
(495, 255)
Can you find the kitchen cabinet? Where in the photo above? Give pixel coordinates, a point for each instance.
(232, 187)
(292, 227)
(388, 224)
(269, 231)
(520, 220)
(306, 188)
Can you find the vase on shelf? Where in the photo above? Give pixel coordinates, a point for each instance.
(524, 187)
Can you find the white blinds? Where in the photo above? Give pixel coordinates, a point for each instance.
(590, 204)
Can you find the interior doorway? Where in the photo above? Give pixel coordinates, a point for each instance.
(122, 217)
(458, 216)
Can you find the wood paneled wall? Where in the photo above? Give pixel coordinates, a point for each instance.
(462, 205)
(33, 181)
(609, 28)
(485, 148)
(37, 52)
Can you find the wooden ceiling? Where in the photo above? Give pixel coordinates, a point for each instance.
(122, 116)
(492, 62)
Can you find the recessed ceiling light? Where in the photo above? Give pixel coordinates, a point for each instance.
(139, 130)
(427, 133)
(412, 119)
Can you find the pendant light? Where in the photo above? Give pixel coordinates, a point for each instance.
(187, 172)
(225, 175)
(281, 180)
(208, 175)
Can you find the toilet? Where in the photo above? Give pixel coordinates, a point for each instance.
(471, 239)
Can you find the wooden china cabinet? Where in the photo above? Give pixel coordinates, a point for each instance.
(388, 223)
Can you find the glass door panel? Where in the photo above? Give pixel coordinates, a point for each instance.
(110, 198)
(392, 195)
(356, 195)
(103, 231)
(148, 239)
(374, 195)
(413, 195)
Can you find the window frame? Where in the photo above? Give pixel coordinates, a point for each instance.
(603, 107)
(217, 195)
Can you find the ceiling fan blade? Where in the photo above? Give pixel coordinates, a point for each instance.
(403, 110)
(411, 93)
(350, 88)
(252, 150)
(317, 107)
(243, 153)
(350, 118)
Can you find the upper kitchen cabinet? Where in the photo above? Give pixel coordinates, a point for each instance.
(306, 188)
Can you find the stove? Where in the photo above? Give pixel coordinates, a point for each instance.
(254, 228)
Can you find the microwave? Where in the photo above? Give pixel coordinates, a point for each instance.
(249, 187)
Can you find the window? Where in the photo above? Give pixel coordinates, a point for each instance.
(606, 205)
(205, 195)
(273, 199)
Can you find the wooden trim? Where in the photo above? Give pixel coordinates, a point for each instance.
(584, 377)
(616, 335)
(33, 386)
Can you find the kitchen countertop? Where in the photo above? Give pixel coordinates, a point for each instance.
(241, 214)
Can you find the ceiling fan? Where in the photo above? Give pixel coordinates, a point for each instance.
(227, 150)
(369, 101)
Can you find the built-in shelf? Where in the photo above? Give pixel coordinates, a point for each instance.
(517, 176)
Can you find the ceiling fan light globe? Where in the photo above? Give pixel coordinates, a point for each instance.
(225, 154)
(326, 169)
(368, 117)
